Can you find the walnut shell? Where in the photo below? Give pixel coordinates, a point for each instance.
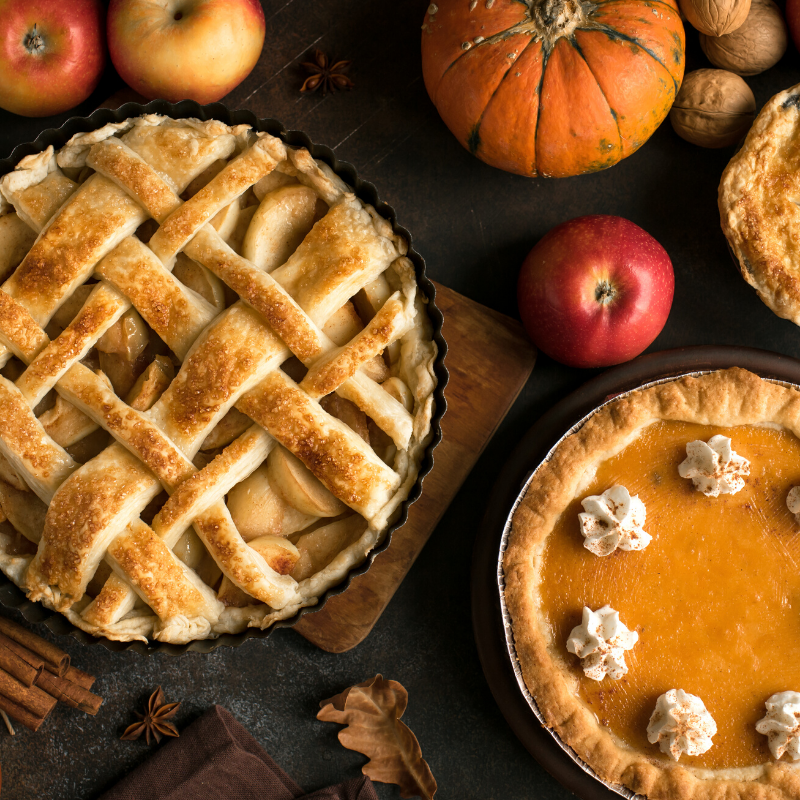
(714, 108)
(715, 17)
(757, 44)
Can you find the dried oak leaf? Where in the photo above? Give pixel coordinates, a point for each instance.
(155, 721)
(372, 711)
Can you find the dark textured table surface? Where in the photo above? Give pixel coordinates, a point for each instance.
(474, 225)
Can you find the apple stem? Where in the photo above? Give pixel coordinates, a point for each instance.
(34, 41)
(604, 293)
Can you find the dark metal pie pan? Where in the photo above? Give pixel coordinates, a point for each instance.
(10, 595)
(488, 621)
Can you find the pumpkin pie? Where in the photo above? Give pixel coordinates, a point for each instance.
(652, 580)
(758, 208)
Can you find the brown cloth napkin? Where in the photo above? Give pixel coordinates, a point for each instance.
(217, 758)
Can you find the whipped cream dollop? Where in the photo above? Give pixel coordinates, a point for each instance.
(600, 641)
(681, 724)
(793, 502)
(713, 466)
(613, 519)
(782, 724)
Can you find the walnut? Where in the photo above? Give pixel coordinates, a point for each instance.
(714, 108)
(754, 46)
(715, 17)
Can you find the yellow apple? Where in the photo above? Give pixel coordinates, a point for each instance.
(179, 49)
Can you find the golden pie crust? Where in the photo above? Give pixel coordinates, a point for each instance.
(725, 398)
(758, 197)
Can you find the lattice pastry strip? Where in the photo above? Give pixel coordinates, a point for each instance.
(103, 308)
(20, 334)
(27, 446)
(312, 283)
(176, 591)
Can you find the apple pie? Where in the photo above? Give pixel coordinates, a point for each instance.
(651, 578)
(217, 379)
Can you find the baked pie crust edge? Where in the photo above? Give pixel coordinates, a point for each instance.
(725, 398)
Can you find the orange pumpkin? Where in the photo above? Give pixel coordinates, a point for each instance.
(552, 87)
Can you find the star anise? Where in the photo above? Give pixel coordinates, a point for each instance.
(154, 722)
(330, 76)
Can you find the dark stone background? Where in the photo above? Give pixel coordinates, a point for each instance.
(474, 225)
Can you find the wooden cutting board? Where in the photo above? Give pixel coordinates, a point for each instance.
(489, 359)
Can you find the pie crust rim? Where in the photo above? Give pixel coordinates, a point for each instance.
(11, 596)
(727, 398)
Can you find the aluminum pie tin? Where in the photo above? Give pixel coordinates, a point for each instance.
(13, 597)
(508, 633)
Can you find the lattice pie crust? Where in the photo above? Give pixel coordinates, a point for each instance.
(216, 384)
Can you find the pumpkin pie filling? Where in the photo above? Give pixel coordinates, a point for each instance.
(715, 597)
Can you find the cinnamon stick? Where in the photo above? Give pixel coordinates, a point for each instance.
(23, 652)
(20, 714)
(68, 692)
(33, 699)
(16, 666)
(49, 653)
(80, 677)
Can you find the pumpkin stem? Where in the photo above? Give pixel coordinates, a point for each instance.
(604, 292)
(557, 18)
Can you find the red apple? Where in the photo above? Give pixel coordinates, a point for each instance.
(595, 291)
(52, 53)
(179, 49)
(793, 20)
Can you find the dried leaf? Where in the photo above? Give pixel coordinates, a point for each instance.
(372, 711)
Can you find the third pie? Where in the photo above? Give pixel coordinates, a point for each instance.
(758, 203)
